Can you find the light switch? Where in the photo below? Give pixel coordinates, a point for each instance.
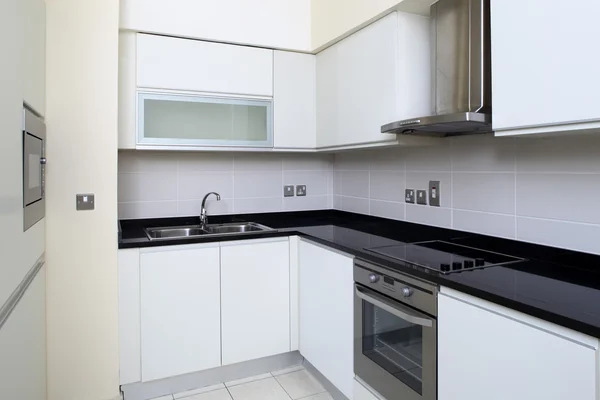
(434, 193)
(288, 191)
(422, 197)
(409, 196)
(86, 202)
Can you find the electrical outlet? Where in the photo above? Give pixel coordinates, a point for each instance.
(288, 191)
(434, 193)
(409, 196)
(422, 197)
(301, 190)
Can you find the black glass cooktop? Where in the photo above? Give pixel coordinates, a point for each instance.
(444, 257)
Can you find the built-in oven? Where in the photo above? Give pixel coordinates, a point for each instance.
(34, 160)
(395, 331)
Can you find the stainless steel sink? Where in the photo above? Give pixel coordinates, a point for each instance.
(224, 229)
(177, 232)
(182, 232)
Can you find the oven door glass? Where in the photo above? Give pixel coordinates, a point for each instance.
(32, 169)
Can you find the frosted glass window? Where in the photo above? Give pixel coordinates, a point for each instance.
(204, 121)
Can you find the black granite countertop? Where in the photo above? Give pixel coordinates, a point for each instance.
(556, 285)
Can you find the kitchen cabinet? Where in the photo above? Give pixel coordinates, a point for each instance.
(180, 310)
(327, 313)
(130, 369)
(544, 78)
(193, 65)
(34, 62)
(294, 101)
(509, 355)
(255, 299)
(365, 81)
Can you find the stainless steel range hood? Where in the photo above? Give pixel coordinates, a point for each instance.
(460, 72)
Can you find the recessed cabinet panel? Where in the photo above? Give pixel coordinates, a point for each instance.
(184, 120)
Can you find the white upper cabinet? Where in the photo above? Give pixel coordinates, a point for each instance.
(192, 65)
(263, 23)
(327, 313)
(509, 355)
(294, 100)
(377, 75)
(34, 63)
(180, 310)
(545, 66)
(255, 298)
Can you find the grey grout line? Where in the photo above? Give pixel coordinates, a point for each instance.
(280, 385)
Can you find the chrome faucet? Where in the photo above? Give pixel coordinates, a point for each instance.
(203, 217)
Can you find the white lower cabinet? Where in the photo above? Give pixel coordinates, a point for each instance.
(180, 310)
(327, 313)
(509, 355)
(255, 299)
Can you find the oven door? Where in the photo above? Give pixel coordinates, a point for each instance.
(34, 135)
(395, 347)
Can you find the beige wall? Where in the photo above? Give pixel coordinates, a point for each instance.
(82, 58)
(333, 19)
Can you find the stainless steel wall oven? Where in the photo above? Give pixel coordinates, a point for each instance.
(395, 331)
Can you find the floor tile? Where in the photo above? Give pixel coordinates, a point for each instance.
(205, 389)
(300, 384)
(264, 389)
(320, 396)
(288, 370)
(219, 394)
(249, 379)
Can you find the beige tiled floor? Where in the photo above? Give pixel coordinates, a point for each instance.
(289, 384)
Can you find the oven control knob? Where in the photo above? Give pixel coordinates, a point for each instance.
(469, 263)
(373, 278)
(406, 291)
(445, 267)
(457, 266)
(479, 262)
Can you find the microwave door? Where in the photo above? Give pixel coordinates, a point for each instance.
(32, 169)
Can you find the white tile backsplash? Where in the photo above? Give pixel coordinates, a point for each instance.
(490, 192)
(166, 184)
(540, 190)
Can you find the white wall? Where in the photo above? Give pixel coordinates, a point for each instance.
(265, 23)
(163, 184)
(536, 190)
(82, 58)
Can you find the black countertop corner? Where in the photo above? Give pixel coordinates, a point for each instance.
(556, 285)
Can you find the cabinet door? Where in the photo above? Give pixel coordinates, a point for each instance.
(327, 314)
(192, 65)
(544, 71)
(367, 82)
(201, 121)
(506, 358)
(180, 313)
(294, 97)
(328, 133)
(255, 299)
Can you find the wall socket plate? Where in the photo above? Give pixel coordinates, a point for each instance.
(301, 190)
(86, 202)
(422, 197)
(409, 196)
(434, 193)
(288, 191)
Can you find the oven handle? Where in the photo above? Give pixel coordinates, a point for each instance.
(396, 309)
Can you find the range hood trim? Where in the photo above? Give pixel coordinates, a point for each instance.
(408, 126)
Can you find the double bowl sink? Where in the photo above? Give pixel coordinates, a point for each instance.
(195, 231)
